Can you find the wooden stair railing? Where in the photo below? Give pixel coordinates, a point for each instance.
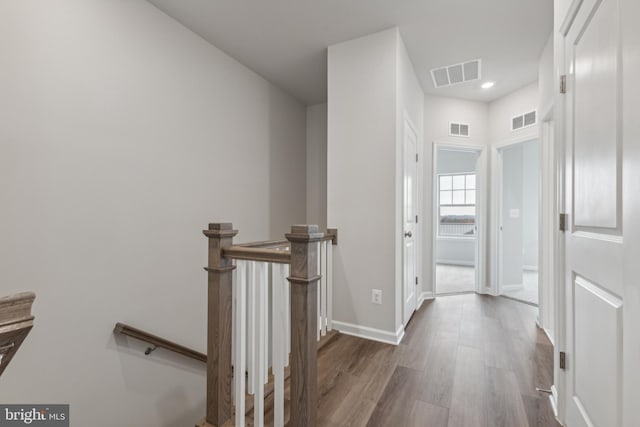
(158, 342)
(16, 322)
(300, 252)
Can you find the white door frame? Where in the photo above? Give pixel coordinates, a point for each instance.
(481, 209)
(496, 172)
(418, 230)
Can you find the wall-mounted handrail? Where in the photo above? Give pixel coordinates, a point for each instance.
(158, 342)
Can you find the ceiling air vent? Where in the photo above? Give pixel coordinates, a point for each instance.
(523, 120)
(458, 129)
(456, 73)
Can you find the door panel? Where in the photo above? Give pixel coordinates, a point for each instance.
(410, 199)
(598, 326)
(594, 243)
(596, 119)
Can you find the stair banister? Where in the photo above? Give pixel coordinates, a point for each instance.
(219, 326)
(304, 279)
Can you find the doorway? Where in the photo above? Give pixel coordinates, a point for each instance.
(456, 189)
(519, 221)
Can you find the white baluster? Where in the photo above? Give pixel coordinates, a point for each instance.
(234, 342)
(265, 308)
(323, 287)
(260, 354)
(240, 326)
(329, 261)
(251, 326)
(319, 293)
(279, 327)
(287, 304)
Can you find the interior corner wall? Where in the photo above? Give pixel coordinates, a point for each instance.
(361, 178)
(123, 135)
(438, 112)
(410, 108)
(317, 165)
(546, 82)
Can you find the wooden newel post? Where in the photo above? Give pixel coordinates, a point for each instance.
(304, 324)
(219, 371)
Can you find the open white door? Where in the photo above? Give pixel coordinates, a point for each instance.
(595, 301)
(410, 277)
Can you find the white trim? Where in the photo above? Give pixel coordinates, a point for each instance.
(530, 267)
(456, 262)
(482, 193)
(456, 238)
(370, 333)
(495, 243)
(419, 212)
(553, 398)
(424, 296)
(511, 288)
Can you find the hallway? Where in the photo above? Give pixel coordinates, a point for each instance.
(466, 360)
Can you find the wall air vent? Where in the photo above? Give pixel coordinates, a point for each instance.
(524, 120)
(458, 129)
(456, 73)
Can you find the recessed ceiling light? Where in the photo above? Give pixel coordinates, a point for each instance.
(487, 85)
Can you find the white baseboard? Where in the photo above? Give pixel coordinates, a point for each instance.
(423, 297)
(455, 262)
(530, 267)
(546, 332)
(370, 333)
(510, 288)
(553, 398)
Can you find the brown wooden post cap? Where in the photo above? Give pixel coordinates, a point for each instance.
(220, 230)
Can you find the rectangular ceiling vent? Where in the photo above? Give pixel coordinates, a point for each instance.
(456, 73)
(524, 120)
(458, 129)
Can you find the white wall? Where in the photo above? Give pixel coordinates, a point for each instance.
(502, 110)
(371, 89)
(546, 82)
(122, 135)
(317, 165)
(530, 203)
(438, 112)
(410, 107)
(361, 151)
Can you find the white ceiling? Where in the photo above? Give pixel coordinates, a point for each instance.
(285, 40)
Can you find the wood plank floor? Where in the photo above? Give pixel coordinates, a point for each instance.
(466, 360)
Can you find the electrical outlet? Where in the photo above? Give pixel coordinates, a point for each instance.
(376, 296)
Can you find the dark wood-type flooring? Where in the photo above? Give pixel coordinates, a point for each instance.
(466, 360)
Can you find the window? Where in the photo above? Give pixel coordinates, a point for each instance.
(457, 205)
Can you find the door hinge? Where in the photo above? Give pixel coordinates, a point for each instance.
(563, 360)
(416, 219)
(416, 157)
(416, 280)
(563, 83)
(563, 222)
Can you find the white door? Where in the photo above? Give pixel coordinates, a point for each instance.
(594, 286)
(410, 199)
